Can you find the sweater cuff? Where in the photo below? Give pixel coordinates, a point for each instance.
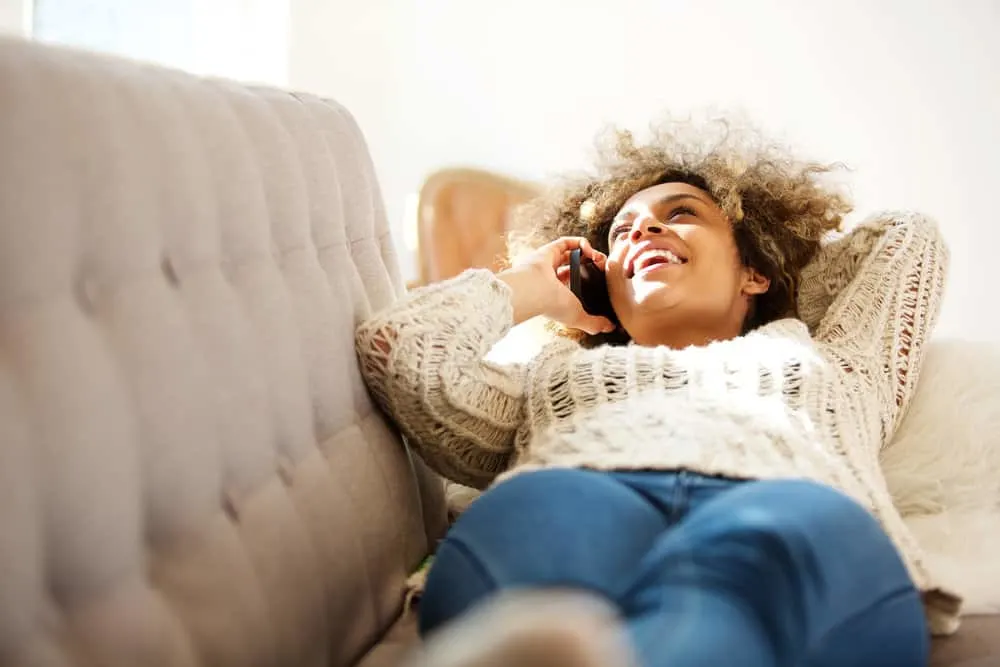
(475, 296)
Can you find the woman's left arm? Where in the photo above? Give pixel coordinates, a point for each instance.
(889, 275)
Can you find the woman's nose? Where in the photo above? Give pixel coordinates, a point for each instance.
(645, 227)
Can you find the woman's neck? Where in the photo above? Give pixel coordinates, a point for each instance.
(678, 338)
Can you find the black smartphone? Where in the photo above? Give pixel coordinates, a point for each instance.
(590, 286)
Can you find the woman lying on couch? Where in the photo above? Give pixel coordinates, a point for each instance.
(706, 459)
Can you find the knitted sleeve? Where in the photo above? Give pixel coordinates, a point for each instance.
(873, 296)
(423, 360)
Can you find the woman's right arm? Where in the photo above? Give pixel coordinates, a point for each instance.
(423, 360)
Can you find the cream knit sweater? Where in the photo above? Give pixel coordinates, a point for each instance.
(814, 398)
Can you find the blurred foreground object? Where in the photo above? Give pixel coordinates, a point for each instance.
(532, 629)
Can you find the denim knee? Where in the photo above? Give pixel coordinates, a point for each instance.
(808, 530)
(800, 508)
(795, 504)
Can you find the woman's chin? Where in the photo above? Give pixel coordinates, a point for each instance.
(646, 289)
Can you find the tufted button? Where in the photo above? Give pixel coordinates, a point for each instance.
(286, 470)
(230, 505)
(87, 293)
(167, 266)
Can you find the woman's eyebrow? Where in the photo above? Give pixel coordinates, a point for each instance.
(679, 195)
(667, 199)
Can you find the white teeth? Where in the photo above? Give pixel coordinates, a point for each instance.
(657, 252)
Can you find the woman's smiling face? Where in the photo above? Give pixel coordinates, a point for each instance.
(673, 265)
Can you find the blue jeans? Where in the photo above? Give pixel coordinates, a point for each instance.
(705, 571)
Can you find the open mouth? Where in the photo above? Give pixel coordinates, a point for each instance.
(652, 259)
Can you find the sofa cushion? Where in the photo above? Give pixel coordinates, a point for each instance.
(397, 645)
(941, 469)
(191, 471)
(977, 644)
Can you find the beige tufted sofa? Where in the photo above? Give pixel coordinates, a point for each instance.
(191, 471)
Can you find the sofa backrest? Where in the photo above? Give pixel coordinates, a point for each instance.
(191, 471)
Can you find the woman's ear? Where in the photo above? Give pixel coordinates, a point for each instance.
(754, 282)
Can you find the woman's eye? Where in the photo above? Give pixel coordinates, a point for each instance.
(619, 231)
(681, 211)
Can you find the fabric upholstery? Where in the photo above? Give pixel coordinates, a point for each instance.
(397, 645)
(191, 471)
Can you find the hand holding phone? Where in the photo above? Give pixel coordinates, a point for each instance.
(539, 285)
(589, 284)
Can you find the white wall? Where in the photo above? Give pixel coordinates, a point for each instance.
(15, 17)
(906, 91)
(239, 39)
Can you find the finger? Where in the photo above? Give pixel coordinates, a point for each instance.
(562, 273)
(594, 324)
(565, 262)
(563, 246)
(592, 253)
(595, 256)
(589, 252)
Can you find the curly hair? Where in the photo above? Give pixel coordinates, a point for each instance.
(779, 208)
